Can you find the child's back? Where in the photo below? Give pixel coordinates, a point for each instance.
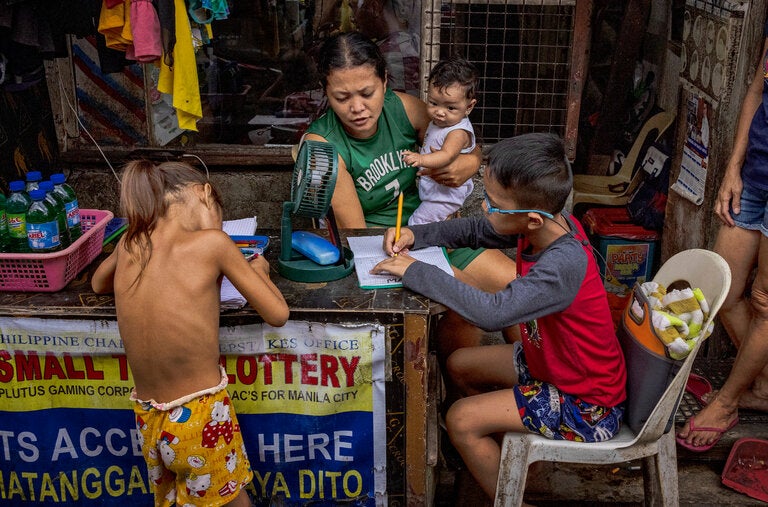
(169, 321)
(168, 309)
(166, 274)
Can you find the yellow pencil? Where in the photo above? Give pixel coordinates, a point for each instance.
(399, 217)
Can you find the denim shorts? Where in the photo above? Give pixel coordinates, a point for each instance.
(753, 215)
(546, 410)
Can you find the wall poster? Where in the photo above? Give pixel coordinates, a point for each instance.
(309, 397)
(693, 169)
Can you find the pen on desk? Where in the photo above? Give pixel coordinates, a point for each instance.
(399, 216)
(251, 253)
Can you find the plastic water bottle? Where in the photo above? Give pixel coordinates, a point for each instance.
(3, 225)
(16, 207)
(33, 180)
(42, 224)
(61, 212)
(70, 203)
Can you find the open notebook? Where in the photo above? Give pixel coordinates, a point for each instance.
(231, 299)
(368, 252)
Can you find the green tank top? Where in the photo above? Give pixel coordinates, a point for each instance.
(375, 163)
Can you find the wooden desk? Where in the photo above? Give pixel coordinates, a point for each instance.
(410, 388)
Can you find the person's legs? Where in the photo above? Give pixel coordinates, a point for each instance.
(749, 366)
(739, 248)
(474, 370)
(491, 271)
(242, 500)
(473, 424)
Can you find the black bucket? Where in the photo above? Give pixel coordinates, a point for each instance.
(648, 373)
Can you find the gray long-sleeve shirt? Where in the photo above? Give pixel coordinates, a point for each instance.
(550, 286)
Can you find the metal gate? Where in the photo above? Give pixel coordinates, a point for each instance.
(530, 54)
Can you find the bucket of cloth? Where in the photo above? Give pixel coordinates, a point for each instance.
(658, 330)
(649, 370)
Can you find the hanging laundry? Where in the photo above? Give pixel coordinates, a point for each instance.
(115, 25)
(181, 80)
(205, 11)
(145, 28)
(166, 13)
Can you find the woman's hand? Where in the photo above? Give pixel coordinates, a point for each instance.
(457, 172)
(729, 197)
(396, 265)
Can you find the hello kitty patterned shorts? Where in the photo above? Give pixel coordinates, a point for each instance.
(193, 448)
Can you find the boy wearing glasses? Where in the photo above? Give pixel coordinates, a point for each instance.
(566, 378)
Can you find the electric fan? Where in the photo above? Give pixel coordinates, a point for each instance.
(305, 257)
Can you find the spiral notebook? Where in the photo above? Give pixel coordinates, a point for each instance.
(368, 252)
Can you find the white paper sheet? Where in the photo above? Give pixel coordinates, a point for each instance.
(368, 252)
(230, 298)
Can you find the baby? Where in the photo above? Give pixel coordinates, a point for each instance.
(450, 99)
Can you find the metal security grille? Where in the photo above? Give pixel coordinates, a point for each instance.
(523, 52)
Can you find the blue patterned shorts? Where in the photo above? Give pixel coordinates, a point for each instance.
(546, 410)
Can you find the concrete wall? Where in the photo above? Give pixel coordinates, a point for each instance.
(258, 191)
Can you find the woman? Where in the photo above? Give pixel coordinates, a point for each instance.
(370, 125)
(742, 240)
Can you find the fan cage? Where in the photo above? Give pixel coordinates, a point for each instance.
(314, 179)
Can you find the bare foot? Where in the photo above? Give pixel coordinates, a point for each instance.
(714, 415)
(708, 397)
(751, 400)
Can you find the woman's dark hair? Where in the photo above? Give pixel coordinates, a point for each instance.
(534, 169)
(348, 50)
(455, 70)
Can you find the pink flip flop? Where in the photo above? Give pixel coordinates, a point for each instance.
(702, 448)
(699, 387)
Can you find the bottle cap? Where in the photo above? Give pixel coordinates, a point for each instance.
(58, 178)
(34, 176)
(46, 185)
(37, 194)
(16, 186)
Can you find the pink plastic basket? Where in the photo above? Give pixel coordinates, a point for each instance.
(53, 271)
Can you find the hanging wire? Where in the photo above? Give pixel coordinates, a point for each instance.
(82, 126)
(192, 155)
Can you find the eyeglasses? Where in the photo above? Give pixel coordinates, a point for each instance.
(492, 209)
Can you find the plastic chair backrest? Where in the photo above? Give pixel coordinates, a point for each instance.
(658, 123)
(709, 272)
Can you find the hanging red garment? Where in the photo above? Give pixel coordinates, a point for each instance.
(145, 28)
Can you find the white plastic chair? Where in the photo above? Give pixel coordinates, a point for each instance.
(617, 189)
(655, 443)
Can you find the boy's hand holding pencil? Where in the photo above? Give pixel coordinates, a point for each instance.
(396, 241)
(393, 245)
(397, 249)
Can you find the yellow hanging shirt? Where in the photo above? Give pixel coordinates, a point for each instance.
(181, 80)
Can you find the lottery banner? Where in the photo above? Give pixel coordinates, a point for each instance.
(309, 398)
